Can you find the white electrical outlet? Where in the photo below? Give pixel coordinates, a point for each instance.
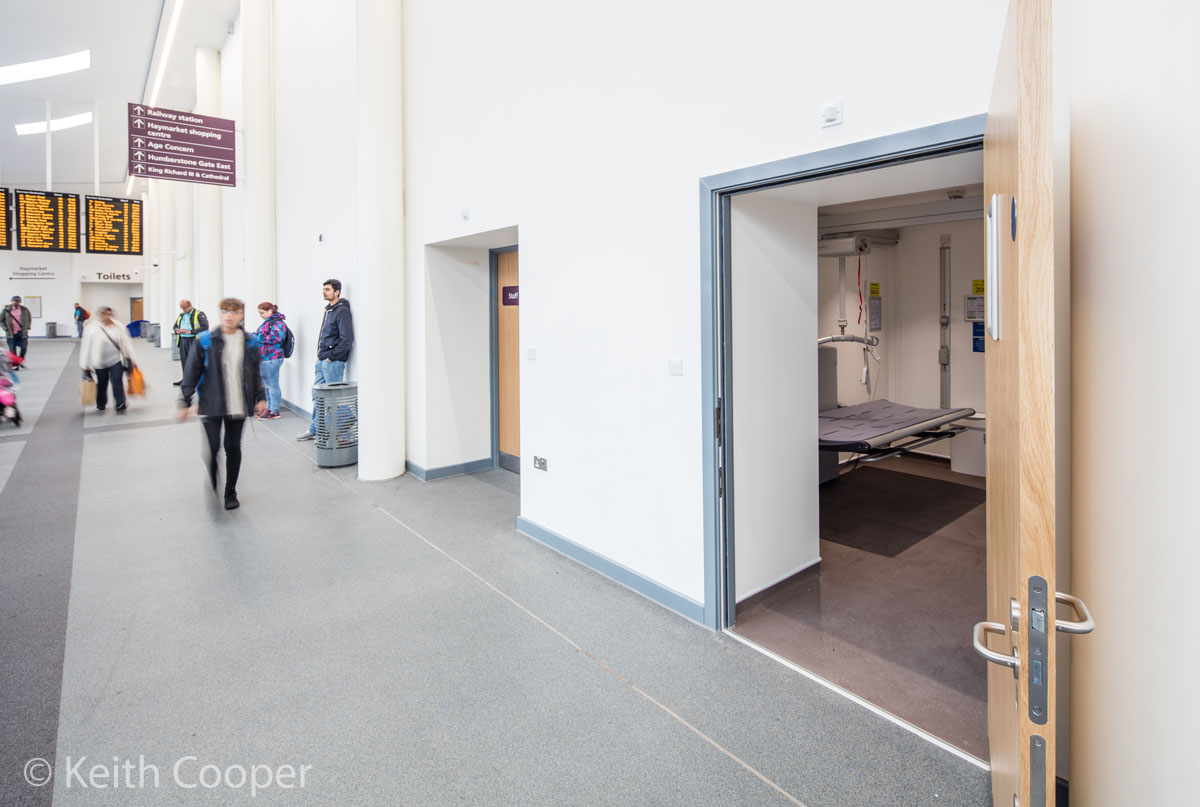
(831, 114)
(675, 365)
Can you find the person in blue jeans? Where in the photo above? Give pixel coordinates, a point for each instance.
(333, 345)
(272, 334)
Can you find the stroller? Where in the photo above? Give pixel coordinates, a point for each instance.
(8, 401)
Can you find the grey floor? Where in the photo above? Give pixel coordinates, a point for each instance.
(400, 638)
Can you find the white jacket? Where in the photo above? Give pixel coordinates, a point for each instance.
(94, 340)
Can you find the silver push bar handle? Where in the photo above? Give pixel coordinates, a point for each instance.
(982, 629)
(1085, 625)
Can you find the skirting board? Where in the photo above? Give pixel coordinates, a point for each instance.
(779, 580)
(614, 571)
(430, 474)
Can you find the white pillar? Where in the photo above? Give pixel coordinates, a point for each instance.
(206, 237)
(184, 288)
(258, 157)
(379, 295)
(164, 253)
(149, 244)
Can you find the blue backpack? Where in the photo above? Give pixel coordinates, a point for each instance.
(289, 341)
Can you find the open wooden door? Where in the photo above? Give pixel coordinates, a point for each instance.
(1020, 193)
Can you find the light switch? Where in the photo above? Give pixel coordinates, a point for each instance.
(831, 114)
(531, 353)
(675, 365)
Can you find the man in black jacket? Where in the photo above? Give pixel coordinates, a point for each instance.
(333, 345)
(222, 371)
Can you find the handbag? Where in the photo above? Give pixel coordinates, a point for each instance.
(136, 384)
(87, 391)
(126, 362)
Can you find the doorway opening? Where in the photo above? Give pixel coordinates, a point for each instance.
(864, 569)
(506, 359)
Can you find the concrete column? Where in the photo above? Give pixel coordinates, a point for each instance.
(162, 200)
(258, 157)
(207, 277)
(184, 286)
(149, 244)
(379, 295)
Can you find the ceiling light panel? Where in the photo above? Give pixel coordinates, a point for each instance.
(44, 68)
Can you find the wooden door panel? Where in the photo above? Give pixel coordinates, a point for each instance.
(1021, 492)
(508, 346)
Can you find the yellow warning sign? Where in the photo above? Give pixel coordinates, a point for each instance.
(977, 287)
(874, 289)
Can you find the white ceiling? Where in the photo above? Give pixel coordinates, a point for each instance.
(125, 37)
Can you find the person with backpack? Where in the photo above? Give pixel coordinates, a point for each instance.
(81, 316)
(276, 344)
(223, 372)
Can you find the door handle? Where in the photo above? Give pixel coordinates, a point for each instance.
(1085, 625)
(991, 289)
(982, 629)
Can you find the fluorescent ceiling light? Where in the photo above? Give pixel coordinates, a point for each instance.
(69, 122)
(44, 68)
(166, 53)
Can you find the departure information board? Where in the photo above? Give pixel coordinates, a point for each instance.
(5, 227)
(47, 221)
(114, 226)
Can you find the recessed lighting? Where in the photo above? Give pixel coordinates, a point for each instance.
(56, 124)
(44, 68)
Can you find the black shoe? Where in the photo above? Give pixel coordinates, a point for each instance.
(120, 410)
(231, 500)
(99, 408)
(177, 384)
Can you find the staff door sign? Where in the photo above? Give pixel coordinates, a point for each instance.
(510, 295)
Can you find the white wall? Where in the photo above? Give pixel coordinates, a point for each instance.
(1134, 701)
(314, 176)
(773, 313)
(523, 113)
(60, 294)
(94, 296)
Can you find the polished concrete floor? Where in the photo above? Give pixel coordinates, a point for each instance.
(391, 642)
(889, 611)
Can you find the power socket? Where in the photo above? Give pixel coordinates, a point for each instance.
(539, 463)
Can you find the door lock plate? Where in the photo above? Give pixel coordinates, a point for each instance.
(1039, 658)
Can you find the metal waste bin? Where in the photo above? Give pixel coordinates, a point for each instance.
(336, 409)
(51, 330)
(156, 334)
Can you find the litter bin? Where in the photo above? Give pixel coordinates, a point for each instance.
(336, 408)
(51, 330)
(135, 327)
(156, 334)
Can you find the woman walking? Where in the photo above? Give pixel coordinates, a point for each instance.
(271, 336)
(223, 373)
(107, 351)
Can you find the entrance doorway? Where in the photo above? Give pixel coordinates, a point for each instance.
(135, 309)
(506, 359)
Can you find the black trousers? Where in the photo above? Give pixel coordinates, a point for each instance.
(185, 347)
(116, 374)
(233, 447)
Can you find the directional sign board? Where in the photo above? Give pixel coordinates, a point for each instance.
(5, 226)
(114, 226)
(181, 146)
(47, 221)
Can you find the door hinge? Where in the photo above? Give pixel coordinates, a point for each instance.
(717, 422)
(720, 483)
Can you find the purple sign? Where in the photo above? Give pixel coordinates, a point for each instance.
(510, 295)
(181, 146)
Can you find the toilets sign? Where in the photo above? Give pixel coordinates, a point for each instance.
(180, 146)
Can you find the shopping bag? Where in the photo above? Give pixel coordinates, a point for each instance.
(87, 392)
(136, 385)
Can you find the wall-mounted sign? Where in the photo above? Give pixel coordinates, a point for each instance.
(874, 289)
(5, 219)
(32, 273)
(34, 304)
(978, 287)
(47, 221)
(510, 295)
(181, 146)
(127, 276)
(977, 339)
(973, 307)
(875, 312)
(114, 226)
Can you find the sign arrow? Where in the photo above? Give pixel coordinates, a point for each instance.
(137, 141)
(138, 110)
(139, 123)
(139, 168)
(139, 155)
